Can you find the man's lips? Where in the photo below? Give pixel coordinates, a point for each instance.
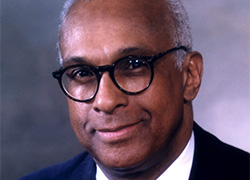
(120, 133)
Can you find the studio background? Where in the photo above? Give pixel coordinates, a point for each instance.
(35, 128)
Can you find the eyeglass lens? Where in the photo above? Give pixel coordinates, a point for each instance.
(131, 75)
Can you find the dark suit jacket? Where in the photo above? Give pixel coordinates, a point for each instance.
(213, 160)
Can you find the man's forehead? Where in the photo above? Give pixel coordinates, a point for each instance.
(121, 4)
(108, 25)
(151, 12)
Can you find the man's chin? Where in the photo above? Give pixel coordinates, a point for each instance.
(124, 168)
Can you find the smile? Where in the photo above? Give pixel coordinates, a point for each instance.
(118, 134)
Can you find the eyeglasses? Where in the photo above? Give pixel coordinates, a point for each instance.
(131, 74)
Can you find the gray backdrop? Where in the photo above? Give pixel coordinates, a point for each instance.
(35, 129)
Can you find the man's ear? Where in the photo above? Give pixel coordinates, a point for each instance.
(192, 74)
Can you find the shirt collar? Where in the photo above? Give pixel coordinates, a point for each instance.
(180, 169)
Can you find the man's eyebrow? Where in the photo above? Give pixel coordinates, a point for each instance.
(129, 50)
(74, 60)
(120, 52)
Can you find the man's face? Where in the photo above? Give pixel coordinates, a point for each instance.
(120, 130)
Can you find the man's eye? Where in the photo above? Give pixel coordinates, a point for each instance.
(135, 64)
(80, 73)
(132, 68)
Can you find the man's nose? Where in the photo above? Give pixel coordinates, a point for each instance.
(108, 97)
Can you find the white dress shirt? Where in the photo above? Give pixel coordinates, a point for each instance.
(180, 169)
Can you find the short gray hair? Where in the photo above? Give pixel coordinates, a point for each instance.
(181, 27)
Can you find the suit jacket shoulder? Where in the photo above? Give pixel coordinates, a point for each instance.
(214, 159)
(80, 167)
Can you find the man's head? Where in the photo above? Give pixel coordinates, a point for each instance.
(181, 34)
(131, 135)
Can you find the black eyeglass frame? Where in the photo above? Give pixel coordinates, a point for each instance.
(110, 68)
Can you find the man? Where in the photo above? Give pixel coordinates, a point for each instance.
(130, 77)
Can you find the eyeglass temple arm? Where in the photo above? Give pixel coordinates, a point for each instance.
(56, 74)
(160, 55)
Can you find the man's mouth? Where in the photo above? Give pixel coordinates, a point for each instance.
(120, 133)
